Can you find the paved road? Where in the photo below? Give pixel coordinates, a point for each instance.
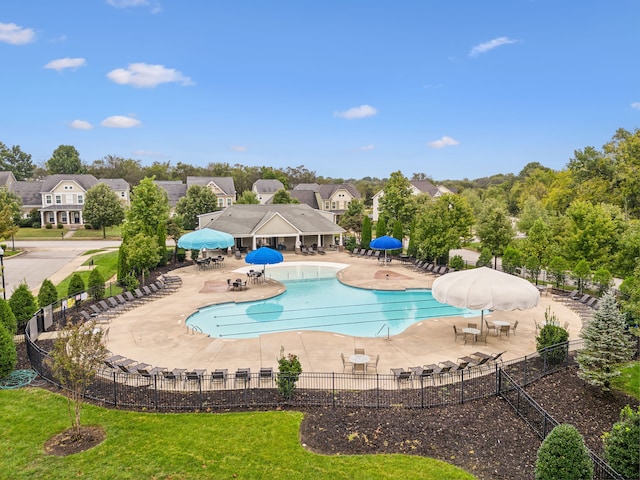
(43, 259)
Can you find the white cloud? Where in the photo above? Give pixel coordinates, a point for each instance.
(362, 111)
(119, 121)
(128, 3)
(143, 75)
(367, 147)
(636, 105)
(443, 142)
(490, 45)
(62, 63)
(239, 148)
(81, 125)
(16, 35)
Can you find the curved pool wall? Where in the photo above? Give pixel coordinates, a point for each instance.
(315, 300)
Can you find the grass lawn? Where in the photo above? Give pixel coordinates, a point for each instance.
(183, 446)
(113, 233)
(629, 381)
(39, 233)
(106, 263)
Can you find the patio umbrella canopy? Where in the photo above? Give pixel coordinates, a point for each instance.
(205, 238)
(386, 243)
(264, 256)
(485, 288)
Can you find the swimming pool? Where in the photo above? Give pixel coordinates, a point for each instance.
(323, 304)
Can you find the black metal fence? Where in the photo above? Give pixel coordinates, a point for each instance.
(162, 392)
(541, 422)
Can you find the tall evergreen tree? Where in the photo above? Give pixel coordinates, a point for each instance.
(381, 227)
(23, 304)
(7, 318)
(606, 345)
(366, 232)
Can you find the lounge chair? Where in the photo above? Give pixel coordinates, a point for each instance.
(194, 376)
(132, 367)
(346, 363)
(140, 295)
(422, 373)
(403, 377)
(88, 317)
(146, 289)
(496, 357)
(219, 375)
(242, 375)
(112, 362)
(149, 374)
(266, 375)
(172, 376)
(321, 251)
(115, 304)
(130, 298)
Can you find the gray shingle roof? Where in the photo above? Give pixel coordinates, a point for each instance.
(225, 184)
(307, 186)
(267, 186)
(243, 220)
(84, 180)
(175, 190)
(308, 197)
(327, 190)
(425, 186)
(116, 184)
(29, 192)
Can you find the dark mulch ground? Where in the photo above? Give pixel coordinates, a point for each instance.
(484, 437)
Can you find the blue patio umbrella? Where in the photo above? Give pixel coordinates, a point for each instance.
(264, 256)
(205, 238)
(386, 243)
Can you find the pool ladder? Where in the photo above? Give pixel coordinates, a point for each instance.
(193, 329)
(382, 328)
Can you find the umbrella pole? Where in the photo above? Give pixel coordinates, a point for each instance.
(481, 320)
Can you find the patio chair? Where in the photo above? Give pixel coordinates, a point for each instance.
(242, 375)
(457, 333)
(346, 363)
(373, 365)
(219, 376)
(360, 368)
(490, 327)
(403, 377)
(504, 329)
(358, 351)
(514, 326)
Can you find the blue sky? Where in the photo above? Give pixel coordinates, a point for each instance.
(452, 89)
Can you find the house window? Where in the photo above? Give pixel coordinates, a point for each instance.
(221, 202)
(50, 218)
(122, 194)
(58, 199)
(63, 218)
(68, 187)
(47, 199)
(326, 205)
(80, 199)
(333, 205)
(228, 202)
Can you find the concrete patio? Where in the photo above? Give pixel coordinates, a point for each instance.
(155, 332)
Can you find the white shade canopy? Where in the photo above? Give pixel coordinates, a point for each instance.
(484, 288)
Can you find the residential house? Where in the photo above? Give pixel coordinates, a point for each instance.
(265, 189)
(282, 226)
(418, 187)
(60, 198)
(334, 198)
(223, 187)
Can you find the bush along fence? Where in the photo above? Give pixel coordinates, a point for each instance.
(201, 391)
(541, 422)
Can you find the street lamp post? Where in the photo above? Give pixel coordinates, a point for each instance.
(4, 291)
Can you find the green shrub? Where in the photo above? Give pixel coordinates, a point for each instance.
(96, 284)
(552, 335)
(8, 354)
(76, 285)
(621, 444)
(457, 262)
(60, 226)
(194, 254)
(181, 254)
(485, 259)
(131, 283)
(289, 369)
(563, 456)
(47, 294)
(36, 225)
(48, 226)
(23, 304)
(7, 318)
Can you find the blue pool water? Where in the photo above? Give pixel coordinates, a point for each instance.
(324, 304)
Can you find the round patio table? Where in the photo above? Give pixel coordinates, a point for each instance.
(471, 331)
(501, 323)
(359, 358)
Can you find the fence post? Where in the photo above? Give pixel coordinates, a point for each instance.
(461, 386)
(155, 391)
(498, 381)
(525, 371)
(333, 389)
(115, 388)
(378, 390)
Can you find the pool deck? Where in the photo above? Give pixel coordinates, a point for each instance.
(155, 332)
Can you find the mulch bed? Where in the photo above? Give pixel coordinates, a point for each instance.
(484, 437)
